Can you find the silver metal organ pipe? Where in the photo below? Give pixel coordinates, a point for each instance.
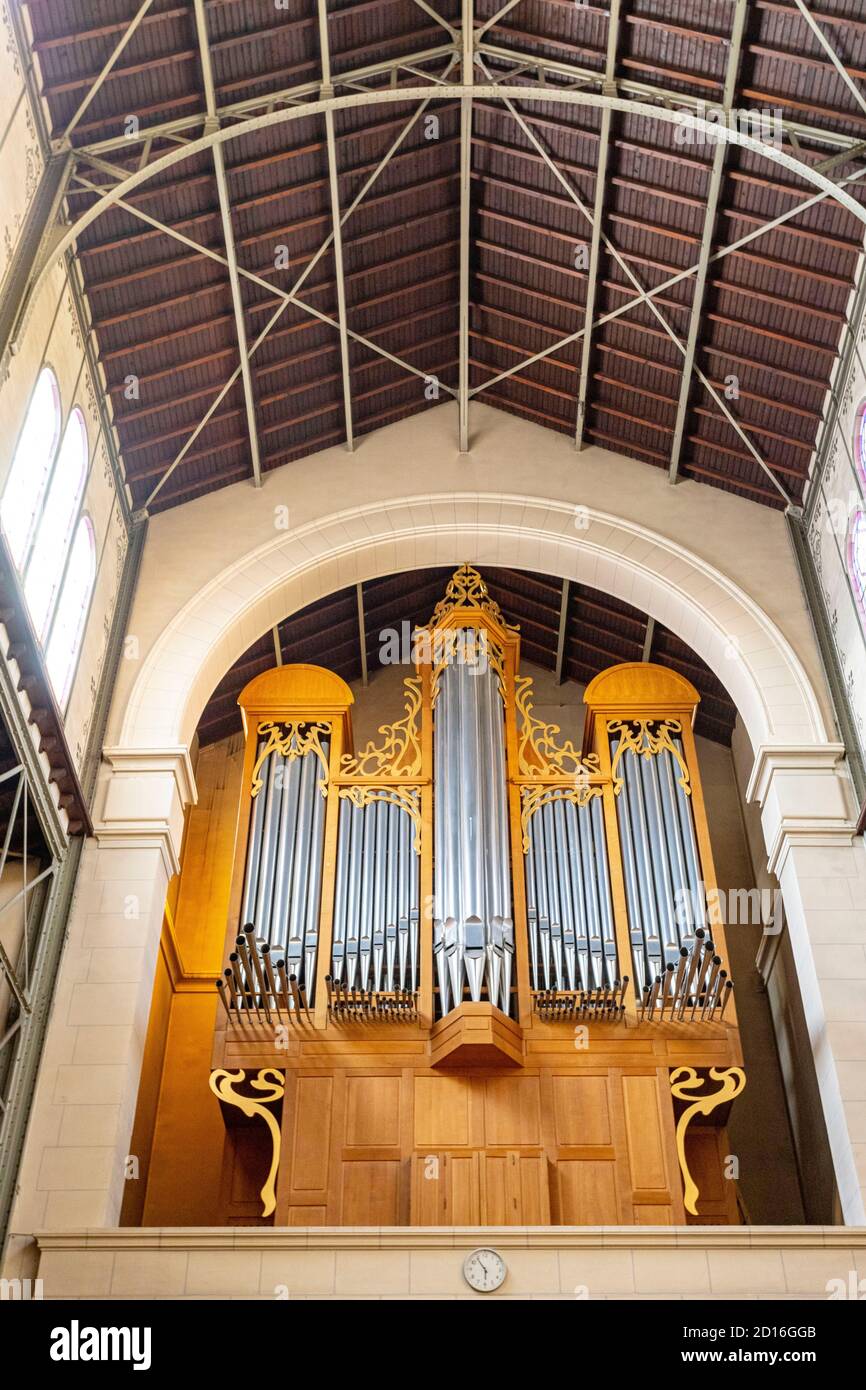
(580, 895)
(300, 865)
(682, 897)
(531, 908)
(661, 867)
(414, 898)
(254, 845)
(566, 963)
(473, 923)
(603, 897)
(338, 942)
(276, 930)
(634, 808)
(272, 791)
(353, 897)
(314, 901)
(391, 881)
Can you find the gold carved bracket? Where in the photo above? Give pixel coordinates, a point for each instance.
(407, 798)
(291, 739)
(539, 754)
(684, 1081)
(400, 753)
(647, 738)
(273, 1085)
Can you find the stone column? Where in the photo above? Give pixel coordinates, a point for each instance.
(806, 806)
(75, 1156)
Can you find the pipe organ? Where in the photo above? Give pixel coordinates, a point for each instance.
(474, 949)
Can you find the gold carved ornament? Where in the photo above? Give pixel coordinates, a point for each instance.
(466, 589)
(291, 740)
(683, 1083)
(539, 755)
(646, 738)
(274, 1084)
(406, 798)
(400, 753)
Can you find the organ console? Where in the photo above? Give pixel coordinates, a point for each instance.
(474, 950)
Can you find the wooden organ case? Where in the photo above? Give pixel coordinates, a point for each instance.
(473, 974)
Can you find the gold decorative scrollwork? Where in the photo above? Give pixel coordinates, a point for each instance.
(533, 798)
(291, 740)
(407, 798)
(538, 753)
(683, 1083)
(646, 738)
(400, 754)
(466, 589)
(268, 1081)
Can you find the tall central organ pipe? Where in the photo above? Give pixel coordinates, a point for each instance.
(473, 929)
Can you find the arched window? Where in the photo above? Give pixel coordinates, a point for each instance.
(67, 628)
(52, 544)
(860, 440)
(43, 568)
(31, 466)
(857, 560)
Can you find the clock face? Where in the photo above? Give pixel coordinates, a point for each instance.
(484, 1270)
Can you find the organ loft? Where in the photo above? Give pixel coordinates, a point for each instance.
(469, 973)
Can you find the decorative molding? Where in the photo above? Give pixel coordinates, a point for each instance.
(174, 760)
(466, 589)
(285, 737)
(819, 758)
(646, 738)
(683, 1082)
(844, 1239)
(406, 798)
(548, 757)
(400, 753)
(532, 799)
(272, 1084)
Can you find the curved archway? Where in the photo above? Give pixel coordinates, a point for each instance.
(706, 609)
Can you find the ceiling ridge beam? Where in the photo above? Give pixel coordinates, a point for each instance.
(609, 88)
(229, 240)
(713, 195)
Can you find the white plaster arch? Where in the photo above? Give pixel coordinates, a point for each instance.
(704, 607)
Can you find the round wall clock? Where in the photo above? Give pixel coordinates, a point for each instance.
(484, 1270)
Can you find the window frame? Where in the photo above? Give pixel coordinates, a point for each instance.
(856, 576)
(79, 515)
(33, 524)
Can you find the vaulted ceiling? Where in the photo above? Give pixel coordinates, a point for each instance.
(570, 629)
(490, 230)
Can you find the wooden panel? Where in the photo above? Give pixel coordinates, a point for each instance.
(534, 1195)
(441, 1111)
(463, 1204)
(371, 1194)
(497, 1204)
(643, 1128)
(428, 1190)
(312, 1134)
(706, 1148)
(372, 1111)
(587, 1194)
(307, 1216)
(512, 1110)
(581, 1110)
(660, 1215)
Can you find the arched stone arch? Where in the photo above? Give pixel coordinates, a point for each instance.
(705, 608)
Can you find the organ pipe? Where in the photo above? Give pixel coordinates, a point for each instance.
(473, 922)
